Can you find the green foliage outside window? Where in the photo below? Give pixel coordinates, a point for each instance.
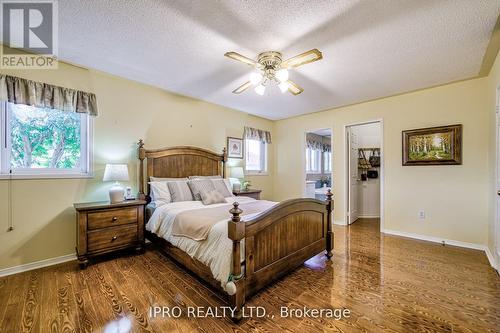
(44, 138)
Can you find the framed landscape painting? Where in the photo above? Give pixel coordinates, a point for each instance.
(433, 146)
(234, 147)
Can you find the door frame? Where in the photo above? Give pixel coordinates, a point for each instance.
(382, 170)
(496, 222)
(304, 160)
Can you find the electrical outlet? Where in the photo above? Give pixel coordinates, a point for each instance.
(421, 215)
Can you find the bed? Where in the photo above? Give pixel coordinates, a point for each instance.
(261, 247)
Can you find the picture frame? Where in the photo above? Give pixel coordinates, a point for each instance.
(234, 147)
(440, 145)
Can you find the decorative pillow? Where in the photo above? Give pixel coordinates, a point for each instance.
(212, 197)
(180, 191)
(222, 185)
(160, 193)
(199, 185)
(159, 179)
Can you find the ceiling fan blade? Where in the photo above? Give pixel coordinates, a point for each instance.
(238, 57)
(294, 88)
(242, 88)
(302, 59)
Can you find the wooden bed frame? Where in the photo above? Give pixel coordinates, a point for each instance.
(276, 241)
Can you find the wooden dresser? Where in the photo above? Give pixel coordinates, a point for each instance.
(102, 227)
(252, 193)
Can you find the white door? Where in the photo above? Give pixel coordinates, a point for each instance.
(352, 140)
(496, 227)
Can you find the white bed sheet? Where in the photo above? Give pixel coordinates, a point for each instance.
(215, 251)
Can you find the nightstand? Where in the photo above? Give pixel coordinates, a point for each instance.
(252, 193)
(102, 228)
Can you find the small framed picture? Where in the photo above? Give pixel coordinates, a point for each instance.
(433, 146)
(234, 147)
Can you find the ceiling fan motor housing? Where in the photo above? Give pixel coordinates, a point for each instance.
(270, 62)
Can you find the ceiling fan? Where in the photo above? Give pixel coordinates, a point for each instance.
(271, 69)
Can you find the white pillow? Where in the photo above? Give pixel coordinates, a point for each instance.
(180, 191)
(212, 197)
(160, 194)
(229, 186)
(223, 186)
(199, 185)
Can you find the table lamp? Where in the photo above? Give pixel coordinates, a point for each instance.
(116, 173)
(236, 175)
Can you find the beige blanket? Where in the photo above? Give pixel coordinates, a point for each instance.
(196, 223)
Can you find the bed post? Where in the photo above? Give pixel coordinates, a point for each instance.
(224, 160)
(142, 156)
(236, 232)
(329, 231)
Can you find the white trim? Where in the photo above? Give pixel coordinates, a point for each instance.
(368, 216)
(86, 152)
(47, 176)
(264, 155)
(491, 259)
(339, 222)
(435, 239)
(37, 264)
(439, 240)
(254, 173)
(496, 218)
(382, 169)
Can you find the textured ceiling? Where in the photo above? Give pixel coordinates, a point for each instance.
(371, 49)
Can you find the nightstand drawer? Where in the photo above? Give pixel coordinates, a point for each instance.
(112, 217)
(111, 237)
(253, 193)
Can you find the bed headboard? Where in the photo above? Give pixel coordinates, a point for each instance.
(178, 162)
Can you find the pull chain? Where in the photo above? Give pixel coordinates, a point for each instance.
(11, 224)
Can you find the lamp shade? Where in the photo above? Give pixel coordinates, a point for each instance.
(115, 172)
(237, 172)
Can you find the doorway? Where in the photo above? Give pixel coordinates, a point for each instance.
(318, 163)
(364, 172)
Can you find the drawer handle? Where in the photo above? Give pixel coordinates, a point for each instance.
(114, 238)
(114, 219)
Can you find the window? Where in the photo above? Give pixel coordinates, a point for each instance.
(255, 156)
(44, 142)
(327, 161)
(313, 160)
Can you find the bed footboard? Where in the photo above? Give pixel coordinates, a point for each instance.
(278, 241)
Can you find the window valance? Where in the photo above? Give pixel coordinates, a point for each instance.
(257, 134)
(21, 91)
(314, 145)
(318, 142)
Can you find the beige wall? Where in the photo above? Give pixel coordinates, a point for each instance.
(455, 198)
(42, 212)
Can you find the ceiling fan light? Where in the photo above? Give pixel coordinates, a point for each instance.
(255, 78)
(260, 89)
(283, 86)
(282, 75)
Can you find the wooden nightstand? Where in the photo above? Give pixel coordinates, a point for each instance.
(252, 193)
(102, 227)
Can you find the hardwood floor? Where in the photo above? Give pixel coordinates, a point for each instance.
(390, 284)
